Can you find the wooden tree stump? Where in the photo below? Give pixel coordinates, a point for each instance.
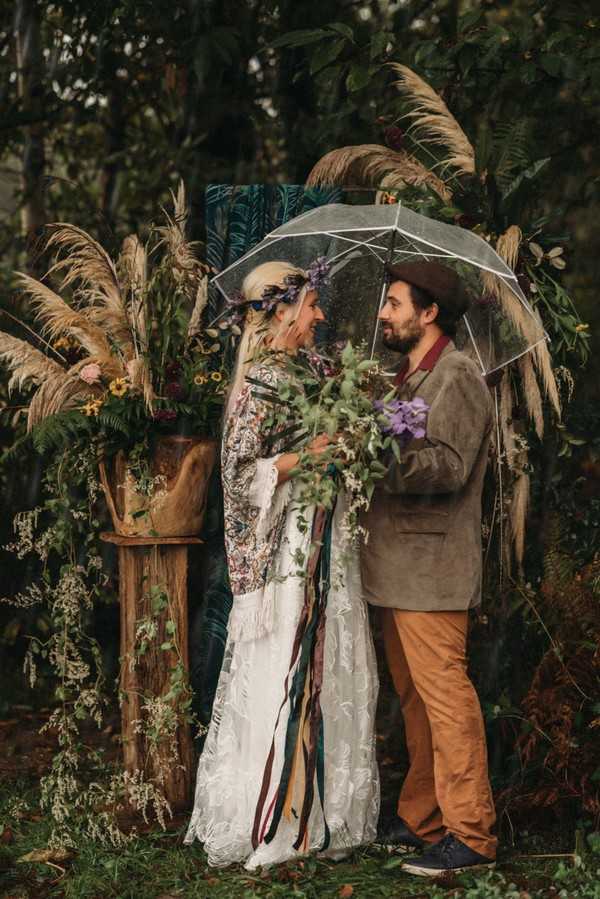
(152, 593)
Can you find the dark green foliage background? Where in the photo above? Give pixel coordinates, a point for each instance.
(132, 96)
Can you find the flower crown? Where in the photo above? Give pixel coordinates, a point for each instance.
(317, 275)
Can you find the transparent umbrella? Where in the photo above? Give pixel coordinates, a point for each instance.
(358, 240)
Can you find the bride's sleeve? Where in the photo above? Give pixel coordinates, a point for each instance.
(248, 472)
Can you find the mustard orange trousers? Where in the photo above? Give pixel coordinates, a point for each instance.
(447, 787)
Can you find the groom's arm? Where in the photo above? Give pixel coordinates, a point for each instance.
(458, 421)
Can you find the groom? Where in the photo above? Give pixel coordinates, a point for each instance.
(422, 566)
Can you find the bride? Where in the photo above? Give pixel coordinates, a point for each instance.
(289, 760)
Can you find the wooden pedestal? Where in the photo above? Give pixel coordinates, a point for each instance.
(160, 563)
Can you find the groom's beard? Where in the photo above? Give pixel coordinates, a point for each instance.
(411, 334)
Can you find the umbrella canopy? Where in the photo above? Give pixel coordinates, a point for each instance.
(499, 327)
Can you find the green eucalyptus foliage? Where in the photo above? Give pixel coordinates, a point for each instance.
(335, 400)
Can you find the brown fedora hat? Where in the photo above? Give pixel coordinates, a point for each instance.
(442, 283)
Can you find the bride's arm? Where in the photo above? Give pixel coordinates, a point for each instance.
(284, 465)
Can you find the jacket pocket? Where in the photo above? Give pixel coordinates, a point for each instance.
(422, 554)
(430, 522)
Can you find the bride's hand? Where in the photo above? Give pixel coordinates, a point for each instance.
(288, 461)
(319, 445)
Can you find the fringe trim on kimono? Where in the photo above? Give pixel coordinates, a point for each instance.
(252, 615)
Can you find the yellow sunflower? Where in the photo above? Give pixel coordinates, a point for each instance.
(216, 376)
(200, 379)
(118, 387)
(92, 407)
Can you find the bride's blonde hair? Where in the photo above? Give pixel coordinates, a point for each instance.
(261, 327)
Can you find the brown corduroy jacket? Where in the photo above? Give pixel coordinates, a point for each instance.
(424, 546)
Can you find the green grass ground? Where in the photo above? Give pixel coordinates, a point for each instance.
(158, 866)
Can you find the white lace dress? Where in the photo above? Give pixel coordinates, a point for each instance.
(262, 539)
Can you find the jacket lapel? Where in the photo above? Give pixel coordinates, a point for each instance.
(416, 380)
(412, 384)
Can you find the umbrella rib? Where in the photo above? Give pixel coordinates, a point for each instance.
(544, 339)
(454, 255)
(384, 287)
(224, 310)
(417, 252)
(333, 233)
(474, 344)
(357, 243)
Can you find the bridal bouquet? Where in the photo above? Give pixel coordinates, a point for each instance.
(347, 396)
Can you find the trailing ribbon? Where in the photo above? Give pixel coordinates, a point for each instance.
(304, 735)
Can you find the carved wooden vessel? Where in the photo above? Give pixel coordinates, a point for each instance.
(177, 505)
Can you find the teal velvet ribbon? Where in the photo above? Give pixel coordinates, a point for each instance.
(309, 645)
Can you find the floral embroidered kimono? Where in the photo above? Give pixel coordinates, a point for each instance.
(289, 761)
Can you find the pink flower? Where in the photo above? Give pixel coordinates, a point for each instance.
(90, 373)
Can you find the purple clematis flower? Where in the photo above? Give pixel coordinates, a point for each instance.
(318, 273)
(404, 419)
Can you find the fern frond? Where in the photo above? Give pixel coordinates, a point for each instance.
(559, 567)
(112, 422)
(512, 149)
(11, 453)
(59, 431)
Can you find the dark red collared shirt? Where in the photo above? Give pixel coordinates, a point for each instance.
(428, 361)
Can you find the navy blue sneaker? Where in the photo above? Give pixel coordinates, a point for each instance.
(394, 833)
(448, 855)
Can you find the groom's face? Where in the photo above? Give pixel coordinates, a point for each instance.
(401, 321)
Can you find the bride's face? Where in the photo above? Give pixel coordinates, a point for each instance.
(301, 330)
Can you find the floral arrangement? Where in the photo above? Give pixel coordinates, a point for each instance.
(348, 397)
(126, 356)
(124, 360)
